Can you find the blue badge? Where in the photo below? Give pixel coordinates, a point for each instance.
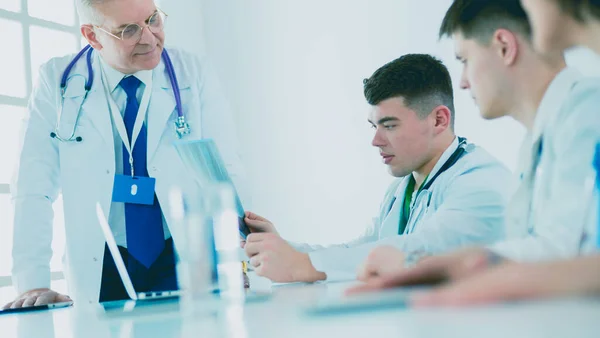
(135, 190)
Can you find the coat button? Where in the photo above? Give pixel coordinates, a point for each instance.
(95, 259)
(108, 171)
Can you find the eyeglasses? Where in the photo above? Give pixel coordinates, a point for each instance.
(132, 33)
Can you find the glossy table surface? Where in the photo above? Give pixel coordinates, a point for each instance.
(284, 314)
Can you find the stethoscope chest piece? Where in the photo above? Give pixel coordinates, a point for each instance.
(182, 127)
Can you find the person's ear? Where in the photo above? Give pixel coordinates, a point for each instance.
(89, 34)
(442, 119)
(507, 46)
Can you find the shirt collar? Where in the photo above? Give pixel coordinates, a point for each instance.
(553, 99)
(114, 76)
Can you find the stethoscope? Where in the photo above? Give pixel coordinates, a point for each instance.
(456, 155)
(182, 128)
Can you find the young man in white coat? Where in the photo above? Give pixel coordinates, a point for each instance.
(132, 95)
(449, 193)
(553, 213)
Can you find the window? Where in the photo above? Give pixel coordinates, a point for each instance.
(10, 5)
(33, 31)
(12, 38)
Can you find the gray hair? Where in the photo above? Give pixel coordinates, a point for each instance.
(87, 12)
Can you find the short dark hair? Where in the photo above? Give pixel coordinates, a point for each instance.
(578, 8)
(480, 19)
(421, 80)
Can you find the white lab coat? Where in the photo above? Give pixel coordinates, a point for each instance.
(85, 171)
(553, 213)
(464, 206)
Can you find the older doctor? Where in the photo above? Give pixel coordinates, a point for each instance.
(449, 194)
(131, 104)
(553, 213)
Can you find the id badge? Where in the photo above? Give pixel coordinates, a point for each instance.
(135, 190)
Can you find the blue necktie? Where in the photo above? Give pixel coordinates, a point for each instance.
(145, 235)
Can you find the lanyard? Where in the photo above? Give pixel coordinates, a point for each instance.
(118, 118)
(408, 193)
(456, 155)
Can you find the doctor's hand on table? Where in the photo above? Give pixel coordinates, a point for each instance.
(273, 257)
(37, 297)
(513, 281)
(382, 262)
(433, 270)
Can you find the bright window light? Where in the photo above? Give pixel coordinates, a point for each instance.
(10, 127)
(12, 67)
(42, 43)
(59, 11)
(47, 43)
(11, 5)
(6, 221)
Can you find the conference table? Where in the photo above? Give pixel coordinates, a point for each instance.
(285, 313)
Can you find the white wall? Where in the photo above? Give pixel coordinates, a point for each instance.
(293, 71)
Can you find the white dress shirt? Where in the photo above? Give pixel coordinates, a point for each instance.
(116, 218)
(552, 214)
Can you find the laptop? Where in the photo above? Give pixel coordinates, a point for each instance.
(122, 269)
(137, 297)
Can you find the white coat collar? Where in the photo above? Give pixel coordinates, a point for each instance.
(551, 103)
(162, 103)
(445, 156)
(160, 76)
(518, 211)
